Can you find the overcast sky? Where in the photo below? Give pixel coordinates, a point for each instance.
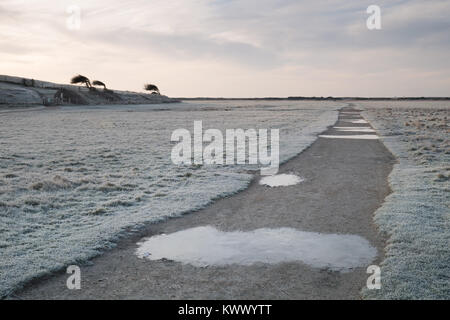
(233, 48)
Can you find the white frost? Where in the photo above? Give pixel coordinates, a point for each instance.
(72, 179)
(416, 214)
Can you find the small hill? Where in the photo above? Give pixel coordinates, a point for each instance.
(22, 92)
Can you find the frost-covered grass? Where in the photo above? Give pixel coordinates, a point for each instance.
(416, 216)
(73, 180)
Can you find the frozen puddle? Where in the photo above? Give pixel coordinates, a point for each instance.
(356, 136)
(207, 246)
(354, 129)
(358, 121)
(281, 180)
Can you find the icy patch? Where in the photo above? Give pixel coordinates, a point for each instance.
(354, 129)
(207, 246)
(356, 136)
(281, 180)
(359, 121)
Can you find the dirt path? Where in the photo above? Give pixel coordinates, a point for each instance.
(345, 182)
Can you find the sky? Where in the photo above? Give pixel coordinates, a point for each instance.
(232, 48)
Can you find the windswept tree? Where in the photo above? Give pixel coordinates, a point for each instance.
(81, 79)
(151, 87)
(99, 83)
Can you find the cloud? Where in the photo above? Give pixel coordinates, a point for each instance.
(263, 39)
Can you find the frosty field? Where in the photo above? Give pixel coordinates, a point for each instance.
(73, 180)
(416, 216)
